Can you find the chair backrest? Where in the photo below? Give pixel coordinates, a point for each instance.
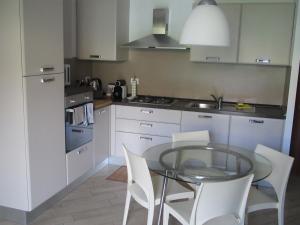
(216, 199)
(192, 136)
(281, 168)
(139, 174)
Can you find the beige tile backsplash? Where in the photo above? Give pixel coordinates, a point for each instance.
(170, 73)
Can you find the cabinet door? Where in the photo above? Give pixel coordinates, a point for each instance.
(266, 33)
(42, 37)
(97, 29)
(69, 28)
(45, 131)
(102, 134)
(247, 132)
(216, 124)
(79, 161)
(136, 143)
(222, 54)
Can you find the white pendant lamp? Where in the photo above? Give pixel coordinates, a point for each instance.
(207, 26)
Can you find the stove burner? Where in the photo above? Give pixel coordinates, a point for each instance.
(153, 100)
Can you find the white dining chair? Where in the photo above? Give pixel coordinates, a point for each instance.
(146, 190)
(281, 167)
(216, 203)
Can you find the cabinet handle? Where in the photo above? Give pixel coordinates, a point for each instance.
(256, 121)
(101, 112)
(212, 59)
(145, 138)
(146, 125)
(77, 131)
(46, 69)
(95, 56)
(204, 117)
(146, 111)
(264, 61)
(47, 80)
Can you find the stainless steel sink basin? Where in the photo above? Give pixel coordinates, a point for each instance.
(201, 105)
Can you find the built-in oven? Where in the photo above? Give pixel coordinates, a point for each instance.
(78, 120)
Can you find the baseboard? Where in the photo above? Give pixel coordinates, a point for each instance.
(25, 218)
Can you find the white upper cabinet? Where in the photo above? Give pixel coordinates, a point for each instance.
(141, 16)
(42, 37)
(102, 26)
(70, 29)
(222, 54)
(266, 33)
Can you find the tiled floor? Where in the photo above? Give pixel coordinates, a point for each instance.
(101, 202)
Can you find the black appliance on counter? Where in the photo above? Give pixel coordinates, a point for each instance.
(96, 85)
(120, 91)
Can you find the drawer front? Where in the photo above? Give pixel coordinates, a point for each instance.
(137, 143)
(146, 127)
(79, 161)
(148, 114)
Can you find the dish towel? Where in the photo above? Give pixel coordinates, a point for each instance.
(79, 116)
(89, 112)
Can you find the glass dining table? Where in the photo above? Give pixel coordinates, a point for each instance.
(194, 162)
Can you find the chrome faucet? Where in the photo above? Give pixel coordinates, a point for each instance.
(219, 101)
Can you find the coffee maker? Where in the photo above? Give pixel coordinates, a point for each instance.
(120, 90)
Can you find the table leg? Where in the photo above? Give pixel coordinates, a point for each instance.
(162, 199)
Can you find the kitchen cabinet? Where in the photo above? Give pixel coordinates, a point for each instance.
(222, 54)
(141, 16)
(140, 128)
(247, 132)
(70, 23)
(79, 161)
(266, 33)
(216, 124)
(102, 134)
(32, 116)
(102, 26)
(42, 37)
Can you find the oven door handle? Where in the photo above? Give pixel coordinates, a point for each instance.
(77, 131)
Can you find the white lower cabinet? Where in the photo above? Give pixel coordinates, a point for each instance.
(79, 161)
(137, 143)
(247, 132)
(216, 124)
(101, 134)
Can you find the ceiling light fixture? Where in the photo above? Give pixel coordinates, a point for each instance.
(207, 26)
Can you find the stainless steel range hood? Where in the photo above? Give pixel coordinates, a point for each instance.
(159, 38)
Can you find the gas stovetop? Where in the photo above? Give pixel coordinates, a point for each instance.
(154, 100)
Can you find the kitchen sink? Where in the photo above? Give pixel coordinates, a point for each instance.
(196, 105)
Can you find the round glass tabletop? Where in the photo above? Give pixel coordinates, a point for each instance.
(194, 162)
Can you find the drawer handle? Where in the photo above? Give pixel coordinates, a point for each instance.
(256, 121)
(147, 111)
(46, 69)
(47, 80)
(212, 59)
(145, 138)
(95, 56)
(204, 117)
(77, 131)
(146, 125)
(262, 60)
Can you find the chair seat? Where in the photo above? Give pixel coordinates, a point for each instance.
(182, 212)
(175, 191)
(258, 200)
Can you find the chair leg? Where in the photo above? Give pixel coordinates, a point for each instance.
(166, 216)
(280, 215)
(127, 203)
(150, 216)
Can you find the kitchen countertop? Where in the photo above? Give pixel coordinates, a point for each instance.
(265, 111)
(100, 103)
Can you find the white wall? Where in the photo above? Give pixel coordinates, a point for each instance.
(293, 85)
